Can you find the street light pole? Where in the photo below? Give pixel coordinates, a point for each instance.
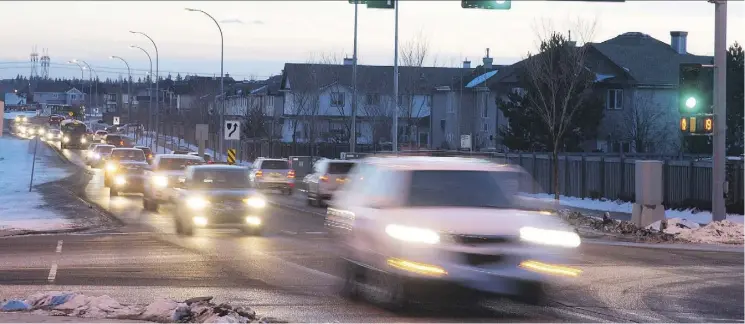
(91, 71)
(395, 82)
(718, 209)
(157, 76)
(82, 76)
(353, 135)
(149, 90)
(129, 88)
(222, 84)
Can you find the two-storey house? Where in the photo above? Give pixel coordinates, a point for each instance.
(259, 104)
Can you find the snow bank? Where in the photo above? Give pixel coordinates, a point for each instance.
(701, 217)
(194, 310)
(720, 232)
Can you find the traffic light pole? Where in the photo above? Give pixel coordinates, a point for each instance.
(353, 133)
(395, 83)
(720, 111)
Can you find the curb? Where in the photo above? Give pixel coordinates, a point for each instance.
(670, 246)
(48, 232)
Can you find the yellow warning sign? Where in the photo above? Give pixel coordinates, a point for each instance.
(231, 156)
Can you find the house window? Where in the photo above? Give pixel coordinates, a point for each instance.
(270, 102)
(337, 99)
(372, 99)
(486, 127)
(485, 112)
(442, 124)
(615, 99)
(73, 97)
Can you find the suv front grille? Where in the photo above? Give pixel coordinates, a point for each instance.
(479, 259)
(482, 239)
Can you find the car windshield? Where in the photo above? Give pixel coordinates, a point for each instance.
(128, 155)
(340, 167)
(220, 179)
(172, 164)
(104, 149)
(457, 188)
(275, 165)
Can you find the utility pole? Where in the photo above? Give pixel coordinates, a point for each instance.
(395, 82)
(353, 135)
(720, 111)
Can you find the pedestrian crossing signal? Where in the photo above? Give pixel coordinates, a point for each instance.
(697, 125)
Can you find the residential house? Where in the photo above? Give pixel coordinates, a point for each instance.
(57, 93)
(638, 76)
(262, 99)
(318, 102)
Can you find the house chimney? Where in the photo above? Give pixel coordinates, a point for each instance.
(488, 60)
(678, 41)
(348, 61)
(466, 64)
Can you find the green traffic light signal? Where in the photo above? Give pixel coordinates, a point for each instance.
(691, 102)
(487, 4)
(695, 89)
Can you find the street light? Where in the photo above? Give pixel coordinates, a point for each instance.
(129, 87)
(90, 72)
(149, 89)
(157, 76)
(82, 77)
(222, 76)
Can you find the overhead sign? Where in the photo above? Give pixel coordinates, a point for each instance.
(116, 120)
(202, 132)
(232, 130)
(465, 141)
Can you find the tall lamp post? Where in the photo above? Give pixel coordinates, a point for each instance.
(157, 77)
(149, 89)
(82, 77)
(90, 75)
(129, 87)
(222, 84)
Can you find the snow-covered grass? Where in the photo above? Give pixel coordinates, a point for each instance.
(20, 209)
(702, 217)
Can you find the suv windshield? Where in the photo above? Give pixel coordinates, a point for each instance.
(220, 179)
(340, 167)
(172, 164)
(128, 155)
(444, 188)
(275, 165)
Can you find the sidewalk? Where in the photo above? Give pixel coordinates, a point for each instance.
(33, 318)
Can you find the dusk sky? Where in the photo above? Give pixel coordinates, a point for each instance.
(260, 36)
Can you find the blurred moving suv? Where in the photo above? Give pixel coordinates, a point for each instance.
(328, 176)
(429, 228)
(166, 173)
(272, 174)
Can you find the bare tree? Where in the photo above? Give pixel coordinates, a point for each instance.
(645, 125)
(560, 85)
(414, 54)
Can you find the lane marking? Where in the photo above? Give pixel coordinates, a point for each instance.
(52, 273)
(288, 232)
(59, 247)
(316, 233)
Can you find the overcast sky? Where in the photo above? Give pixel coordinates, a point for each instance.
(260, 36)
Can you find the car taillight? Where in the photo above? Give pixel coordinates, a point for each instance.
(291, 174)
(324, 178)
(149, 156)
(121, 143)
(259, 173)
(210, 162)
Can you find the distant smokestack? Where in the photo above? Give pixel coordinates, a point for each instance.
(466, 64)
(678, 41)
(488, 60)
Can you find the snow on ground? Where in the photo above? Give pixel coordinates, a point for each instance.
(19, 208)
(194, 310)
(721, 232)
(702, 217)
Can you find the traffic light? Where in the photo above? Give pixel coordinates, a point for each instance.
(696, 89)
(487, 4)
(381, 4)
(697, 125)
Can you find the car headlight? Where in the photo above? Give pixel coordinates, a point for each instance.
(111, 167)
(412, 234)
(550, 237)
(120, 180)
(253, 221)
(160, 181)
(50, 136)
(65, 139)
(255, 202)
(197, 203)
(41, 132)
(83, 140)
(96, 156)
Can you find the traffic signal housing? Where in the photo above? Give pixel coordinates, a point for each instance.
(381, 4)
(487, 4)
(696, 89)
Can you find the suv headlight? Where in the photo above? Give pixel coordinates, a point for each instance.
(255, 202)
(197, 203)
(412, 234)
(111, 167)
(160, 181)
(550, 237)
(65, 139)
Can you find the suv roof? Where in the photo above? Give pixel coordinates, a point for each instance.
(439, 163)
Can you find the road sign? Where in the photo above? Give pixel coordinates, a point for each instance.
(465, 141)
(70, 113)
(231, 156)
(232, 130)
(116, 119)
(202, 132)
(697, 125)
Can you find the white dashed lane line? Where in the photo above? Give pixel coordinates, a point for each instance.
(53, 269)
(59, 246)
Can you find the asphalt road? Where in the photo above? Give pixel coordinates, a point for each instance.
(291, 272)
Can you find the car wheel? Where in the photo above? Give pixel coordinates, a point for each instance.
(393, 295)
(532, 294)
(352, 275)
(113, 192)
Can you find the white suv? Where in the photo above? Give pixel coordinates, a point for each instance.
(415, 227)
(327, 177)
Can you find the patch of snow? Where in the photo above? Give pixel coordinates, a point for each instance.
(720, 232)
(701, 217)
(19, 208)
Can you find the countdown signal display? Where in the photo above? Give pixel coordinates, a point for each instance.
(701, 125)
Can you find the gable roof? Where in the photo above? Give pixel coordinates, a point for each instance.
(647, 60)
(370, 78)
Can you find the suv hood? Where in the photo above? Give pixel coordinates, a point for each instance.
(473, 221)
